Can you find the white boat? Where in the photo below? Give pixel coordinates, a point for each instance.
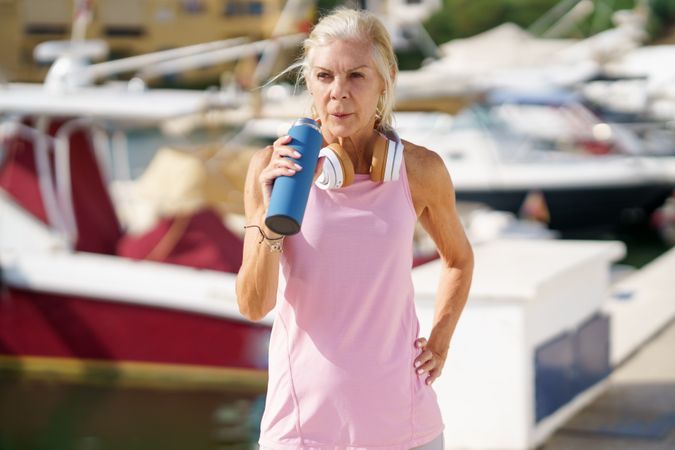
(640, 83)
(510, 57)
(502, 154)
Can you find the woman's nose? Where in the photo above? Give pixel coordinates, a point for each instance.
(338, 89)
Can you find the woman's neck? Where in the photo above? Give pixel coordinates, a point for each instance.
(359, 147)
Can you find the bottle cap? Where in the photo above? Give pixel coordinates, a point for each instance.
(307, 121)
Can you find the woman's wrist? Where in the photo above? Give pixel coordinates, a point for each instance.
(439, 345)
(269, 233)
(271, 239)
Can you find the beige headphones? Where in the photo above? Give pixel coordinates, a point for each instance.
(338, 170)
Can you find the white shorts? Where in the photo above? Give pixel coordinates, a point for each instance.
(437, 444)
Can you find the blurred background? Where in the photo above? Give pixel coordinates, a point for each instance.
(126, 128)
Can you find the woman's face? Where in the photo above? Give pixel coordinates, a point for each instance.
(345, 87)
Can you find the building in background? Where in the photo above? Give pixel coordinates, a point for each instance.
(130, 27)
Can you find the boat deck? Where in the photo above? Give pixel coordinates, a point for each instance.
(637, 411)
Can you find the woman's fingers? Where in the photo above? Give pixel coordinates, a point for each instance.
(427, 362)
(285, 139)
(422, 362)
(285, 163)
(283, 157)
(422, 357)
(421, 342)
(285, 152)
(281, 162)
(432, 376)
(281, 170)
(276, 169)
(433, 368)
(280, 149)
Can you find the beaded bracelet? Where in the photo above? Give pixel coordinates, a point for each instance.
(275, 244)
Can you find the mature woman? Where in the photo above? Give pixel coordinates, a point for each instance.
(347, 368)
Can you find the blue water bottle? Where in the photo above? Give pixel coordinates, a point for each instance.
(290, 193)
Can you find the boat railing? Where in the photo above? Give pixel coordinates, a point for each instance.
(43, 145)
(219, 56)
(101, 146)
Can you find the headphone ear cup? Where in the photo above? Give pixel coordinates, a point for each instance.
(378, 162)
(338, 170)
(386, 162)
(345, 163)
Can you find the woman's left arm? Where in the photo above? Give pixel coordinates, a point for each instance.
(434, 201)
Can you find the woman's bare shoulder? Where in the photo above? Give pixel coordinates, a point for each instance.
(428, 177)
(422, 164)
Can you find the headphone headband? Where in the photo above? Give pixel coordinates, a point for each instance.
(338, 170)
(392, 167)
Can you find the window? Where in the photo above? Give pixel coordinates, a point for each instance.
(242, 8)
(124, 31)
(255, 8)
(45, 28)
(193, 6)
(231, 8)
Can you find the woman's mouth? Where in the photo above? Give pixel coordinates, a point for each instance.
(340, 116)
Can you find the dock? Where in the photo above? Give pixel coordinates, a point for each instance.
(554, 351)
(636, 412)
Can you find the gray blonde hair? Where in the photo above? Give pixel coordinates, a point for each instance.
(360, 26)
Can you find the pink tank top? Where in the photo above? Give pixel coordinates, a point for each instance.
(341, 352)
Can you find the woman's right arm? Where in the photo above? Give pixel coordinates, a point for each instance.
(258, 276)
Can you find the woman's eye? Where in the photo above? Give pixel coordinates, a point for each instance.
(357, 75)
(323, 75)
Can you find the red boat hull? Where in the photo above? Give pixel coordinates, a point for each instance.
(75, 328)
